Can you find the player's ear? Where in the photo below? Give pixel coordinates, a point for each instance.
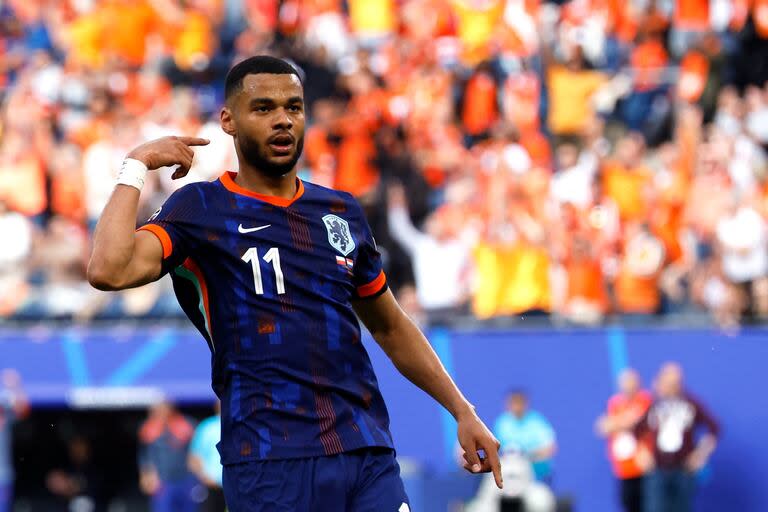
(227, 121)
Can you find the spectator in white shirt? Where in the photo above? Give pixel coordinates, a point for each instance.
(441, 259)
(17, 231)
(743, 239)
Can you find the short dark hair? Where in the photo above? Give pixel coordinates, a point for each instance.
(254, 66)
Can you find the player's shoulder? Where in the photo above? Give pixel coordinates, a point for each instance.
(337, 201)
(197, 192)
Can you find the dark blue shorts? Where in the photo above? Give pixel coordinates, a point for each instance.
(360, 481)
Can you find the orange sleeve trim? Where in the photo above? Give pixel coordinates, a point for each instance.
(162, 235)
(373, 287)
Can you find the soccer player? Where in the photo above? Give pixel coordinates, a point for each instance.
(272, 270)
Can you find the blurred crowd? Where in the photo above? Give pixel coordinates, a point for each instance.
(576, 159)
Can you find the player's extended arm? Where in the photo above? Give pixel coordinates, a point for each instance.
(413, 356)
(121, 257)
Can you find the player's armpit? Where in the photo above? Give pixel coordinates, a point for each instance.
(144, 265)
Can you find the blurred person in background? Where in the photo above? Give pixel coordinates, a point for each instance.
(14, 258)
(670, 428)
(13, 406)
(163, 474)
(624, 411)
(205, 462)
(80, 485)
(441, 258)
(743, 239)
(528, 433)
(521, 493)
(636, 286)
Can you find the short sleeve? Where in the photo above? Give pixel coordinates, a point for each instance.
(547, 434)
(368, 272)
(174, 225)
(198, 440)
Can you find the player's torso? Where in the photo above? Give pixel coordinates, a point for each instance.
(278, 281)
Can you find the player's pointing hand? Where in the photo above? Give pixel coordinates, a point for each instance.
(473, 437)
(168, 151)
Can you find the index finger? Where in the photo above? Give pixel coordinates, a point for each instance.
(194, 141)
(492, 455)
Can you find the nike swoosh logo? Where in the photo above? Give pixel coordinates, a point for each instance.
(241, 229)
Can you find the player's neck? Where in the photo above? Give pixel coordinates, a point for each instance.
(276, 186)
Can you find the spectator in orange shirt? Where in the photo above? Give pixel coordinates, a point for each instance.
(479, 109)
(625, 409)
(637, 284)
(586, 298)
(626, 180)
(571, 87)
(689, 24)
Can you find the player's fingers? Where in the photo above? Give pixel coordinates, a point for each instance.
(194, 141)
(185, 163)
(471, 456)
(492, 458)
(186, 150)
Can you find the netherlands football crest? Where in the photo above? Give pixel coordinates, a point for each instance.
(338, 234)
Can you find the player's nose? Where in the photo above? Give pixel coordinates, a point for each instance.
(282, 120)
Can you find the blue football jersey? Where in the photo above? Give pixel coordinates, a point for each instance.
(268, 283)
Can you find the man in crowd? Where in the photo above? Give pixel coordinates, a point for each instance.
(528, 433)
(13, 406)
(164, 438)
(625, 409)
(670, 427)
(205, 463)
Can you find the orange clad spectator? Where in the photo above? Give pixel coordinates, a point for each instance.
(22, 176)
(480, 110)
(372, 18)
(626, 181)
(67, 184)
(126, 25)
(760, 16)
(195, 42)
(637, 283)
(694, 70)
(691, 15)
(84, 38)
(586, 298)
(476, 23)
(355, 172)
(648, 58)
(571, 88)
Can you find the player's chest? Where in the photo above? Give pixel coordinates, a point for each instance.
(284, 246)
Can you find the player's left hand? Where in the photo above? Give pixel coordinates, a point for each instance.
(473, 437)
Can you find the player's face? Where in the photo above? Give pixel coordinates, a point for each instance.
(268, 122)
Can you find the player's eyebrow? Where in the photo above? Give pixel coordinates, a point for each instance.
(295, 99)
(261, 101)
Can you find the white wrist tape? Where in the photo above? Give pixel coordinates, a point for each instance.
(132, 173)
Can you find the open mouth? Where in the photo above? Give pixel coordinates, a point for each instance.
(281, 144)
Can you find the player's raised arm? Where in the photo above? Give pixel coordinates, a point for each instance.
(121, 257)
(413, 356)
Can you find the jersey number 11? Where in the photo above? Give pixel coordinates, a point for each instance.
(273, 256)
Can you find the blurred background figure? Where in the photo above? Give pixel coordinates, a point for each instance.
(624, 411)
(440, 258)
(163, 474)
(80, 486)
(205, 462)
(677, 449)
(527, 433)
(521, 493)
(13, 406)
